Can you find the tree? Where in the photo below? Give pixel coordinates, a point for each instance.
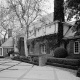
(3, 27)
(6, 22)
(72, 9)
(3, 31)
(25, 13)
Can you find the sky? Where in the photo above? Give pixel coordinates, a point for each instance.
(49, 6)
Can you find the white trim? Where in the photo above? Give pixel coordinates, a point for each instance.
(43, 49)
(78, 48)
(1, 52)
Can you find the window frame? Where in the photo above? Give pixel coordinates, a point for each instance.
(78, 47)
(43, 49)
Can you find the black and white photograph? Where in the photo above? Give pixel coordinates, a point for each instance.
(39, 40)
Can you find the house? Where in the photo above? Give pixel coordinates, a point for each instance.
(46, 41)
(44, 36)
(71, 39)
(43, 39)
(7, 46)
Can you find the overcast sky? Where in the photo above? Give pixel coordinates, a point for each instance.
(49, 6)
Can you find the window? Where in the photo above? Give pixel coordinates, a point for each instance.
(43, 49)
(76, 47)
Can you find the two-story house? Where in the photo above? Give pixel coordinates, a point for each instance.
(42, 37)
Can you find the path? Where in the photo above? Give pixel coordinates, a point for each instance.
(16, 70)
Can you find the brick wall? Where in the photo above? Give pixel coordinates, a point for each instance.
(37, 48)
(70, 47)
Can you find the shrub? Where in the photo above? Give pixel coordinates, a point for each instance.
(75, 56)
(72, 62)
(55, 60)
(78, 73)
(60, 52)
(27, 59)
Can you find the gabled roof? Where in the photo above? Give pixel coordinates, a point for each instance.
(70, 32)
(8, 43)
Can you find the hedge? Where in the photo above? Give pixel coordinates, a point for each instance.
(63, 61)
(27, 59)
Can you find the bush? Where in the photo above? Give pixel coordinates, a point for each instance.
(60, 52)
(55, 60)
(75, 56)
(27, 59)
(78, 73)
(72, 62)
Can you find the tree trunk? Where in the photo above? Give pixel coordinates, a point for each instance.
(60, 33)
(25, 45)
(25, 40)
(4, 38)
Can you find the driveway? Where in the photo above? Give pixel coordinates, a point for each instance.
(16, 70)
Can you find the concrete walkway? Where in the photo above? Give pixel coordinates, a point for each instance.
(16, 70)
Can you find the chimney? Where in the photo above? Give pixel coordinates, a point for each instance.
(9, 33)
(59, 16)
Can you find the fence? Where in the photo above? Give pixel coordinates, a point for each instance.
(4, 50)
